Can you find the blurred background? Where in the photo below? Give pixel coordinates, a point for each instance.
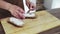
(47, 4)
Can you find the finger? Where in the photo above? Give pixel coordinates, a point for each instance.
(32, 7)
(21, 15)
(16, 15)
(20, 10)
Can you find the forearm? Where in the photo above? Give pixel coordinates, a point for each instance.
(4, 5)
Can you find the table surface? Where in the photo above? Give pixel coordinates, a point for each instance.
(54, 12)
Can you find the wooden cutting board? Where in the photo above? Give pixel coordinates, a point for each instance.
(43, 22)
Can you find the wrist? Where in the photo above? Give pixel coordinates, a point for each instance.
(8, 6)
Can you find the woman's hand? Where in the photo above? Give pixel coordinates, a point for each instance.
(30, 5)
(16, 11)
